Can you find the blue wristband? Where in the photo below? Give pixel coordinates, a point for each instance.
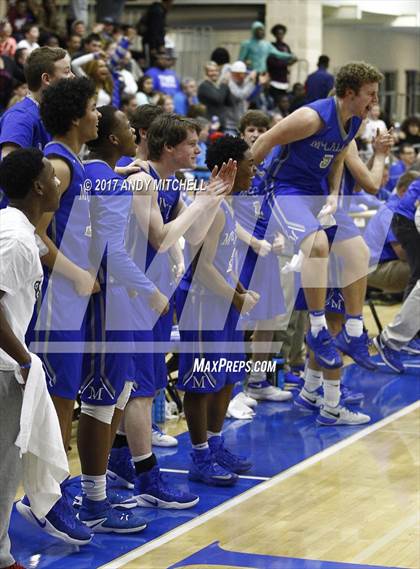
(25, 366)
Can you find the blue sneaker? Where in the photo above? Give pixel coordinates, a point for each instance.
(412, 347)
(350, 397)
(152, 491)
(100, 517)
(356, 348)
(205, 469)
(391, 357)
(116, 499)
(60, 522)
(323, 347)
(307, 401)
(121, 470)
(227, 459)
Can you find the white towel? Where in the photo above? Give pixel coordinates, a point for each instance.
(44, 459)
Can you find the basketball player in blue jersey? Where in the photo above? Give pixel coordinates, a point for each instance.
(21, 125)
(258, 265)
(68, 111)
(314, 140)
(162, 218)
(310, 397)
(212, 298)
(111, 374)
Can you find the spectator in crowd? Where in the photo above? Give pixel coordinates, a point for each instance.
(146, 93)
(19, 15)
(372, 124)
(198, 110)
(20, 58)
(201, 172)
(98, 71)
(388, 259)
(18, 94)
(187, 97)
(74, 43)
(241, 86)
(254, 52)
(277, 68)
(128, 104)
(214, 96)
(410, 131)
(221, 56)
(298, 97)
(152, 27)
(30, 42)
(261, 99)
(283, 106)
(7, 42)
(320, 82)
(407, 157)
(125, 69)
(164, 78)
(91, 44)
(78, 27)
(6, 84)
(167, 104)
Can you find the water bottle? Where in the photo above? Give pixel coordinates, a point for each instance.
(279, 373)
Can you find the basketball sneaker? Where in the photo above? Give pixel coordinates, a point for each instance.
(391, 357)
(356, 347)
(309, 401)
(248, 401)
(412, 347)
(60, 522)
(161, 439)
(350, 397)
(152, 491)
(341, 415)
(116, 499)
(205, 469)
(264, 391)
(100, 517)
(121, 470)
(323, 347)
(233, 462)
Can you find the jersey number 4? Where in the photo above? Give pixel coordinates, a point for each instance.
(326, 160)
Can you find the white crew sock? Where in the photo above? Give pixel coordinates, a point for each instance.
(256, 377)
(313, 379)
(94, 487)
(211, 434)
(141, 457)
(201, 446)
(354, 326)
(318, 321)
(331, 392)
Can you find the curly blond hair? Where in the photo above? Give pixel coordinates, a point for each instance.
(355, 74)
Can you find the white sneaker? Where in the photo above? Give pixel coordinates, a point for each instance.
(161, 439)
(264, 391)
(238, 410)
(341, 415)
(248, 401)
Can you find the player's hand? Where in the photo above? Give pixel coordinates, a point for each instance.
(86, 283)
(383, 141)
(179, 270)
(331, 204)
(215, 189)
(159, 302)
(226, 173)
(132, 168)
(278, 244)
(260, 246)
(263, 79)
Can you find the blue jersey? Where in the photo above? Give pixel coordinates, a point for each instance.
(110, 211)
(70, 227)
(143, 252)
(407, 204)
(21, 125)
(304, 165)
(124, 161)
(379, 235)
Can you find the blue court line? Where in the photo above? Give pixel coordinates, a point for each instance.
(279, 437)
(213, 554)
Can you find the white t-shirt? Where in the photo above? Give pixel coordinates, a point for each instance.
(24, 44)
(20, 274)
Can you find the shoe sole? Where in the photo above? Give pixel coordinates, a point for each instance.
(325, 422)
(26, 512)
(236, 470)
(197, 478)
(144, 503)
(383, 356)
(162, 444)
(119, 480)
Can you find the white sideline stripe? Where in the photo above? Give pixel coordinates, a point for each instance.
(377, 545)
(258, 489)
(245, 477)
(415, 366)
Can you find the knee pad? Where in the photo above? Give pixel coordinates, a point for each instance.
(103, 413)
(124, 396)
